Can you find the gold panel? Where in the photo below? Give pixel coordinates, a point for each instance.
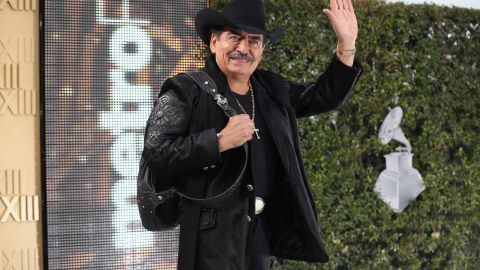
(20, 185)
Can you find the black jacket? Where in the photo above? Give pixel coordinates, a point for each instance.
(181, 145)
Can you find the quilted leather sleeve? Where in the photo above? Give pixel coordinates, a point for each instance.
(169, 148)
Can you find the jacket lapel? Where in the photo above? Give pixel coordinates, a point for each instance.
(277, 122)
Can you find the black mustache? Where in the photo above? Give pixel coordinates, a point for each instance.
(240, 56)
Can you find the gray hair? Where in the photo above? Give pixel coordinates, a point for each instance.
(216, 32)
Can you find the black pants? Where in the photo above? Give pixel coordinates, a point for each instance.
(259, 258)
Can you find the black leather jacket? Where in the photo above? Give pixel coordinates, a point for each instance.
(181, 145)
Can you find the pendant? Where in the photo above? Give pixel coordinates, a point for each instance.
(256, 130)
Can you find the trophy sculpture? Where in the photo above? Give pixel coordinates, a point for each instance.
(399, 183)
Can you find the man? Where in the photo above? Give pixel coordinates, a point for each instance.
(188, 138)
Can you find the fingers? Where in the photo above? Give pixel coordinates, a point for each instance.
(245, 132)
(240, 117)
(333, 5)
(340, 4)
(328, 13)
(350, 6)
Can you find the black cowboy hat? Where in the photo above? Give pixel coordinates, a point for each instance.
(246, 15)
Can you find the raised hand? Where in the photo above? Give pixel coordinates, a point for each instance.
(344, 22)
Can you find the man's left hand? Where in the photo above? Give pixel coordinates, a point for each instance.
(344, 23)
(343, 20)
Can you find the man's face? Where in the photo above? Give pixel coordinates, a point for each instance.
(237, 52)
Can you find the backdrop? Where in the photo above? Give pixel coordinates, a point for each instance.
(105, 61)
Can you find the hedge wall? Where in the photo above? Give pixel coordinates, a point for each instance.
(425, 59)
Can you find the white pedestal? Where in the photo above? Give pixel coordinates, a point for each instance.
(399, 183)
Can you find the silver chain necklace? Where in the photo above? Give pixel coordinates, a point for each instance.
(250, 88)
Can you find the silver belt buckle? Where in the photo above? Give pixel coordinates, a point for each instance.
(259, 205)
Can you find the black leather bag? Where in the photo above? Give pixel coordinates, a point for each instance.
(158, 199)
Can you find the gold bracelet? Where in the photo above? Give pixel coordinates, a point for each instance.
(346, 52)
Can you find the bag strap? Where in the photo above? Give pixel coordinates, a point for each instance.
(207, 84)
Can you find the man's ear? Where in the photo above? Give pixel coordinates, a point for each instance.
(213, 43)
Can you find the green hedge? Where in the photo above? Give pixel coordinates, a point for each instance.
(425, 59)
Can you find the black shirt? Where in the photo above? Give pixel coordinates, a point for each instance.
(264, 160)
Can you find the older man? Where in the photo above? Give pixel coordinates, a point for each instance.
(189, 139)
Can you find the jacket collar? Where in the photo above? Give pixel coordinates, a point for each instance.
(212, 69)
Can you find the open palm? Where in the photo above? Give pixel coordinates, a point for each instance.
(343, 20)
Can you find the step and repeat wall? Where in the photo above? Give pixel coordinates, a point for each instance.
(104, 62)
